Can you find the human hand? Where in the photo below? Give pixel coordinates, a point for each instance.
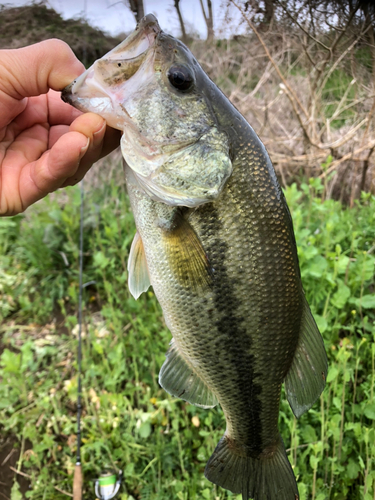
(45, 143)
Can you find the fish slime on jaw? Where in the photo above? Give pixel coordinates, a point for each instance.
(215, 240)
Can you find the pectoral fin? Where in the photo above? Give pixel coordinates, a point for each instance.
(179, 379)
(187, 257)
(138, 280)
(306, 378)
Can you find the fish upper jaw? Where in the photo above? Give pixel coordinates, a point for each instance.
(100, 89)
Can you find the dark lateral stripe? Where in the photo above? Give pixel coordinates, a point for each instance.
(231, 327)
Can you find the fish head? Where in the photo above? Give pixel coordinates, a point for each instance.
(153, 89)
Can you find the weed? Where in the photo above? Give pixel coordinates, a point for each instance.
(129, 422)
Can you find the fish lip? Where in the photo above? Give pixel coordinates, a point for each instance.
(136, 44)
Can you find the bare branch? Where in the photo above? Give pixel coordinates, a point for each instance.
(346, 157)
(302, 28)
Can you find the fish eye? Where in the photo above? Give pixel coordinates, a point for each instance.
(180, 77)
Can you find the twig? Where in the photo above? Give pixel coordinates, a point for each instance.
(63, 492)
(292, 96)
(333, 46)
(29, 477)
(369, 120)
(292, 93)
(20, 472)
(2, 494)
(302, 28)
(301, 446)
(335, 64)
(336, 163)
(365, 168)
(340, 142)
(8, 457)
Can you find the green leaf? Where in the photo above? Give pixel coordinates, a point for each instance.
(314, 461)
(10, 361)
(353, 469)
(321, 323)
(366, 302)
(101, 260)
(145, 430)
(317, 266)
(369, 411)
(341, 296)
(308, 434)
(342, 264)
(15, 493)
(206, 493)
(337, 402)
(332, 374)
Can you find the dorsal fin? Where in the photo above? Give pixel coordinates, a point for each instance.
(306, 378)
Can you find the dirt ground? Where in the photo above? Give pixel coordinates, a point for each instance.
(9, 454)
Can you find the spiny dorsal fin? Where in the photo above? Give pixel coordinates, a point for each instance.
(138, 280)
(179, 379)
(306, 378)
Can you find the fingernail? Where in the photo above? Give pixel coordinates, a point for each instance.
(97, 136)
(85, 148)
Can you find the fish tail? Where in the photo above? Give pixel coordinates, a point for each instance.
(266, 478)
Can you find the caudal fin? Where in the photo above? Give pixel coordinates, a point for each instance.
(268, 478)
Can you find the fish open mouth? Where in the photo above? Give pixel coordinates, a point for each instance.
(98, 89)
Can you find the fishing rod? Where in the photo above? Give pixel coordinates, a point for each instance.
(108, 484)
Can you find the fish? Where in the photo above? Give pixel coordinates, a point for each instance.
(215, 240)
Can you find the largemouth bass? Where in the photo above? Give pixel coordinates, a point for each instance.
(215, 240)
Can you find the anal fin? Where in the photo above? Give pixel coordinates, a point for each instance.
(180, 380)
(307, 375)
(138, 280)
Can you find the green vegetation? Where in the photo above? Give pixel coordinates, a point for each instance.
(339, 88)
(129, 422)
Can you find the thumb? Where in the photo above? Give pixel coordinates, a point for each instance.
(32, 71)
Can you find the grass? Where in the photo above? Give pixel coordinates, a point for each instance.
(129, 422)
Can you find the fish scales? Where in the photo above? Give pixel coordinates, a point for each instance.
(215, 240)
(237, 330)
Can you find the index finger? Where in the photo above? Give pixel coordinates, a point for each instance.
(33, 70)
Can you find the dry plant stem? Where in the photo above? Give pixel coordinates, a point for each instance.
(319, 88)
(345, 139)
(291, 94)
(8, 457)
(369, 119)
(366, 164)
(342, 412)
(302, 28)
(348, 156)
(333, 46)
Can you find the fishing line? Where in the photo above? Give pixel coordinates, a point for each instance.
(108, 484)
(78, 477)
